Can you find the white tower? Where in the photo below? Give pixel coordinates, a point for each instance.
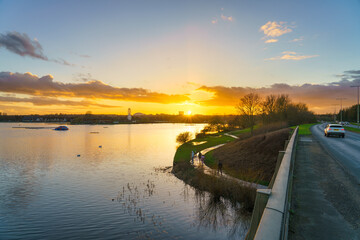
(129, 114)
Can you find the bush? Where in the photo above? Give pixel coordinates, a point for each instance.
(200, 135)
(183, 137)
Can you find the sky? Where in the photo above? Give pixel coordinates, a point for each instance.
(170, 56)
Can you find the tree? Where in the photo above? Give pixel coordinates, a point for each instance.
(217, 124)
(183, 137)
(250, 106)
(268, 109)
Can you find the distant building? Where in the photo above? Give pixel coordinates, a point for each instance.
(181, 113)
(138, 114)
(129, 117)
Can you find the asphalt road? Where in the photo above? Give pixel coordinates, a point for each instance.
(346, 151)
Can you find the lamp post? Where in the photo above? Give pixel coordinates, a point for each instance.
(340, 107)
(334, 111)
(357, 86)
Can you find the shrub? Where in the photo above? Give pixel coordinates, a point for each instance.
(183, 137)
(200, 135)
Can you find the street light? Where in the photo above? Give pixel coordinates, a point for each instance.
(357, 86)
(334, 111)
(340, 107)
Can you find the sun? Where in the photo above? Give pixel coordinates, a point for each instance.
(189, 112)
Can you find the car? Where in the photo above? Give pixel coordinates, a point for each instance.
(334, 130)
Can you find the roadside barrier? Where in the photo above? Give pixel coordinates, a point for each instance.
(270, 218)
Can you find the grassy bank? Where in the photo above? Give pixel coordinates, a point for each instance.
(304, 129)
(218, 187)
(351, 129)
(252, 159)
(183, 153)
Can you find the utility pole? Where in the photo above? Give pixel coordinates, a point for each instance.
(340, 107)
(357, 86)
(334, 111)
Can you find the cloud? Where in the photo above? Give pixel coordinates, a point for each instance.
(316, 96)
(297, 39)
(45, 101)
(272, 40)
(83, 77)
(22, 45)
(80, 55)
(192, 83)
(352, 72)
(33, 85)
(63, 62)
(275, 29)
(287, 55)
(223, 18)
(227, 18)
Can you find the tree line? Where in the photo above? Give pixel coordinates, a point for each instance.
(272, 109)
(254, 110)
(349, 114)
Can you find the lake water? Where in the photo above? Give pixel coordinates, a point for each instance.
(117, 191)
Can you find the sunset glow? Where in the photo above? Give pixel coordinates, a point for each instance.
(204, 57)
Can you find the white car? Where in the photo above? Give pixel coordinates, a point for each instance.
(335, 130)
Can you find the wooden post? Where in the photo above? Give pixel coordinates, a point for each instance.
(262, 196)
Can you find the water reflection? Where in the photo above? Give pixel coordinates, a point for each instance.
(212, 212)
(215, 212)
(114, 192)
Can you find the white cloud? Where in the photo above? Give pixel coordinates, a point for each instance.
(297, 39)
(223, 18)
(272, 40)
(275, 29)
(227, 18)
(287, 55)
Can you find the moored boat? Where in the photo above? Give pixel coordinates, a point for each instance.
(62, 128)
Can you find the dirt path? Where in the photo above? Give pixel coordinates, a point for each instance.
(325, 198)
(210, 171)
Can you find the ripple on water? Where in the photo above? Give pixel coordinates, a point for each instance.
(50, 193)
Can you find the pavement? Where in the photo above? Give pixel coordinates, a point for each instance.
(210, 171)
(326, 194)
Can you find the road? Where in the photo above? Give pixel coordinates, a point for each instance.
(346, 151)
(325, 199)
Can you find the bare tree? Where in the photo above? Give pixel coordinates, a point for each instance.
(249, 106)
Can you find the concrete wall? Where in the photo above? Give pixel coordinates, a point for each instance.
(270, 216)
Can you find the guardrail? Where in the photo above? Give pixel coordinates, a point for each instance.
(270, 216)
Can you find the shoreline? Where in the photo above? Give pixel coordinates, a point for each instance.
(228, 188)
